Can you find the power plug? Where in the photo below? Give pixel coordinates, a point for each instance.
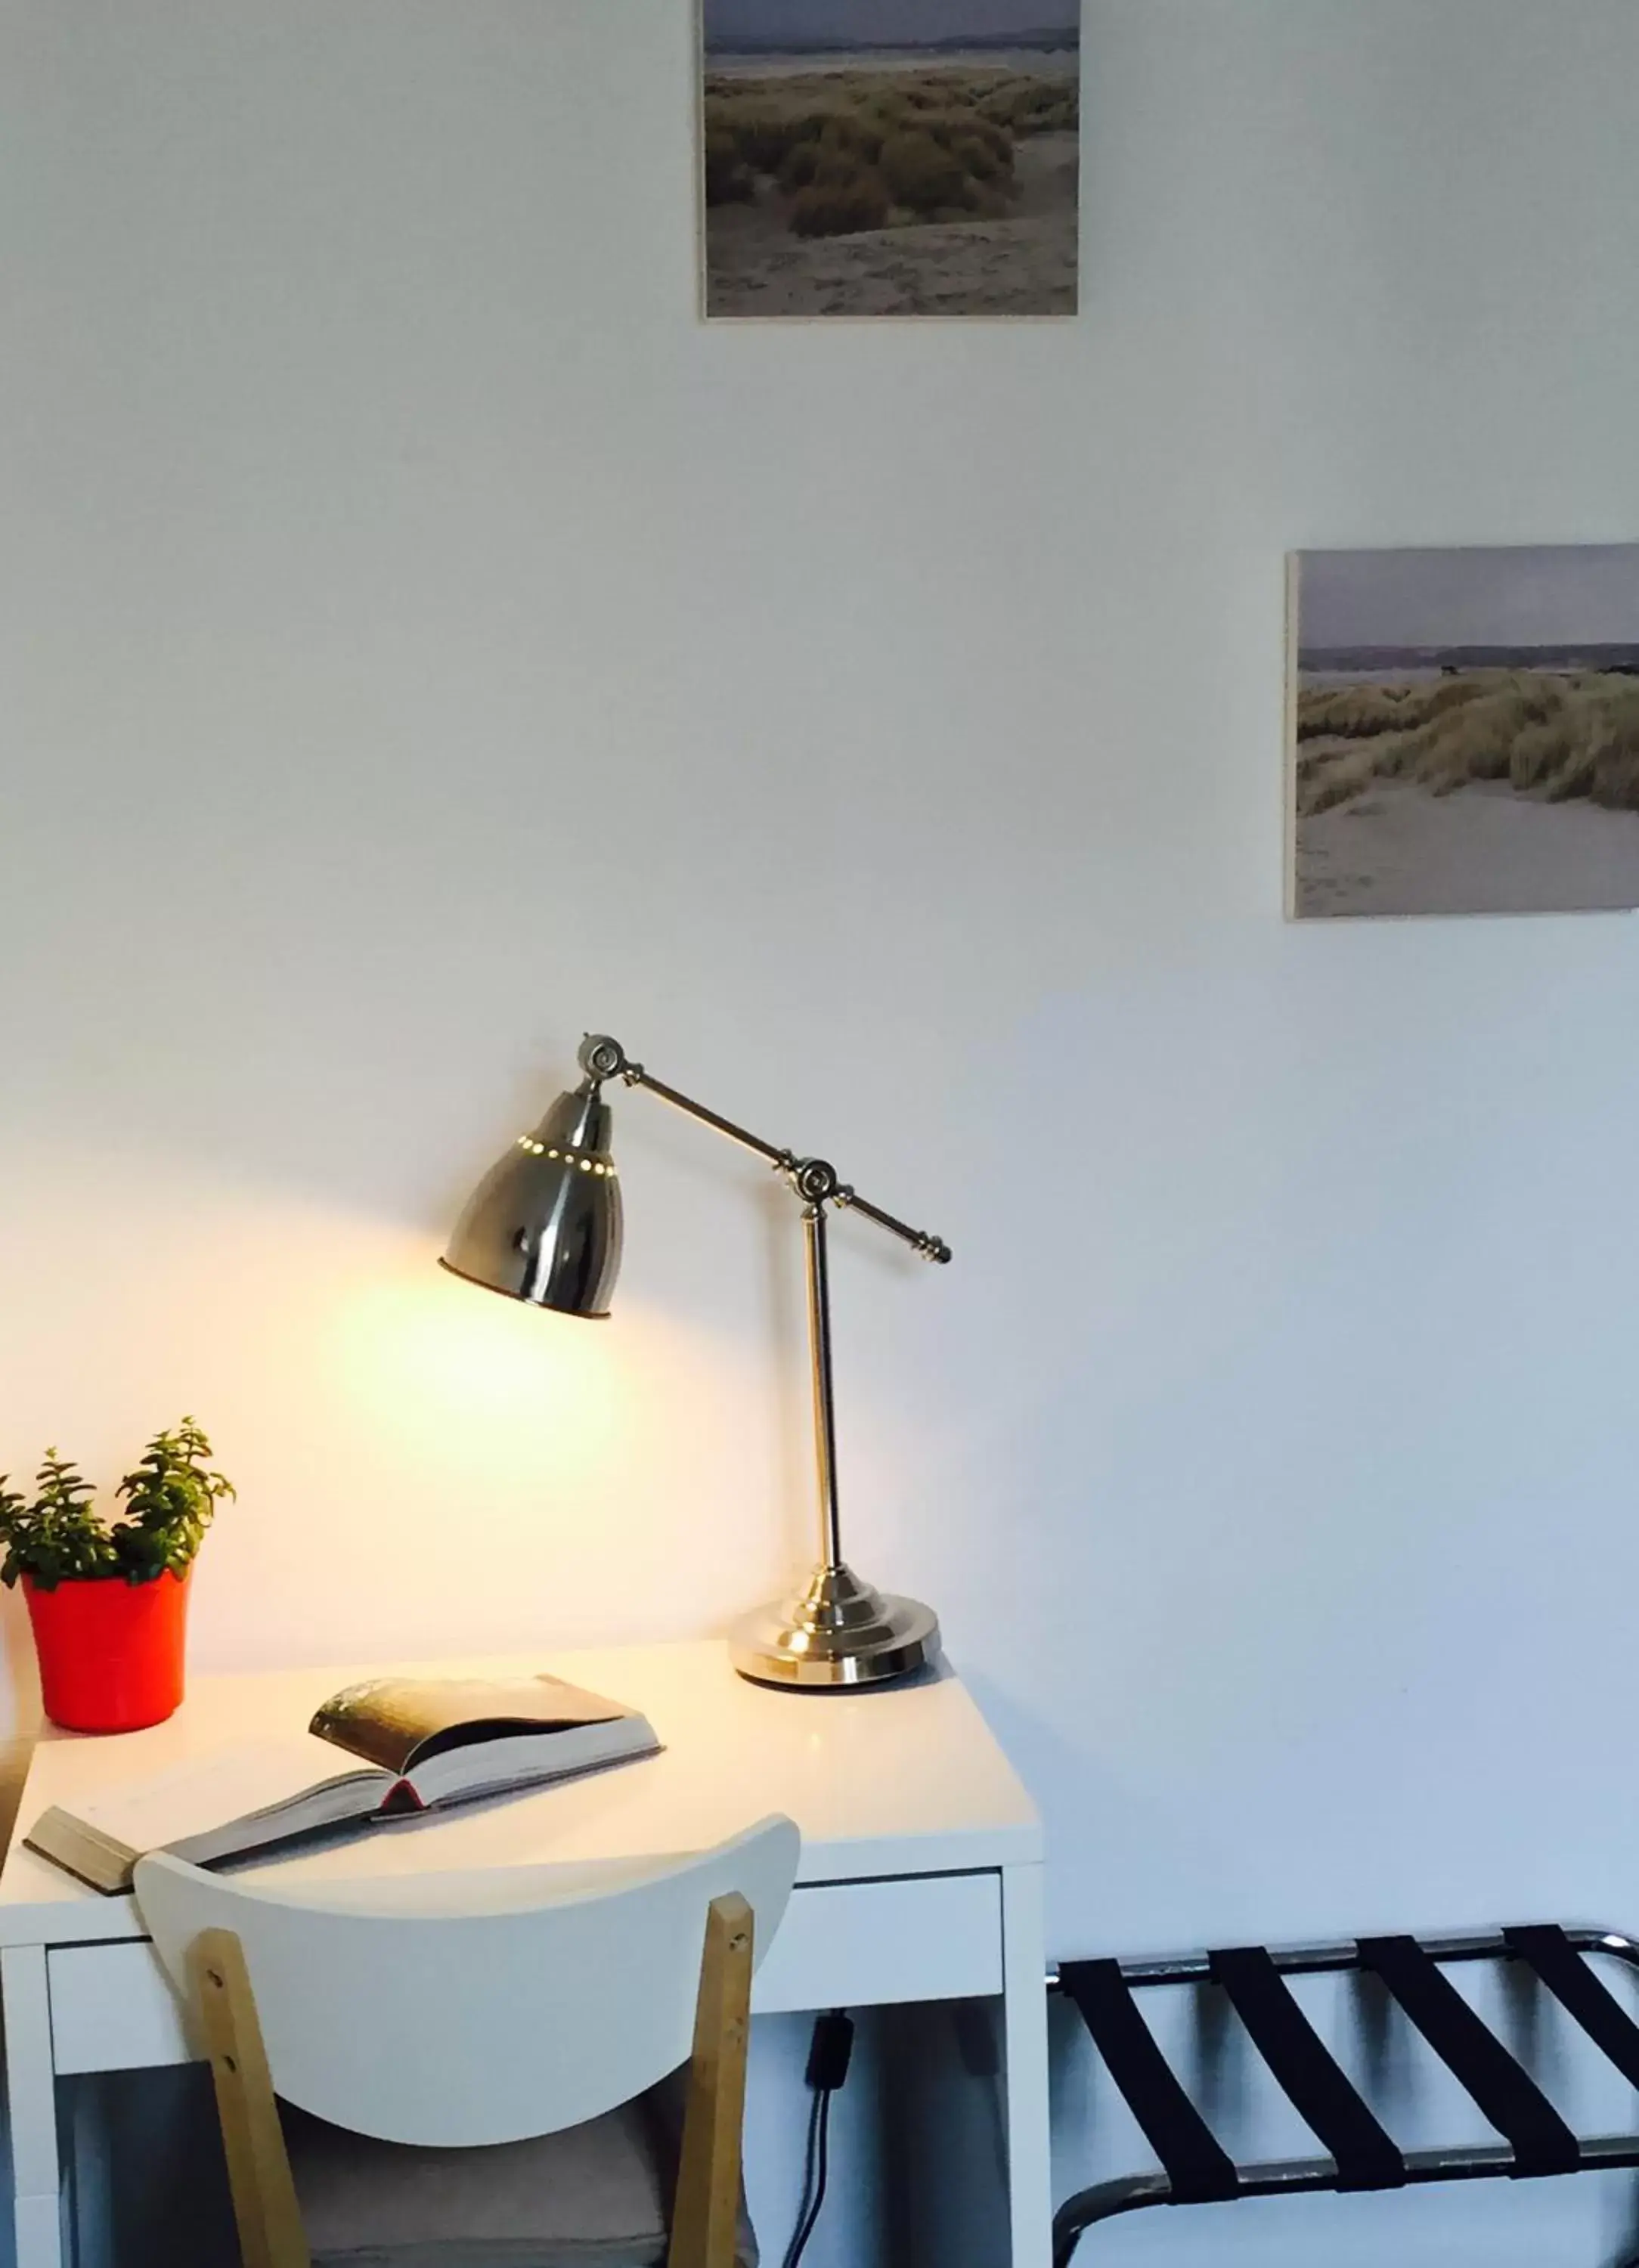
(830, 2052)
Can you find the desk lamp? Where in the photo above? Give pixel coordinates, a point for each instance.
(544, 1226)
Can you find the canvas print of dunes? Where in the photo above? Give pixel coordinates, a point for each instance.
(890, 157)
(1465, 731)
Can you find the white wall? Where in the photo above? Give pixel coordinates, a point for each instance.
(422, 638)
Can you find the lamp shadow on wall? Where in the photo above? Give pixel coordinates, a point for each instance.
(1058, 1771)
(21, 1675)
(23, 1680)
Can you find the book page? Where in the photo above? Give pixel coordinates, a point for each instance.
(396, 1721)
(527, 1759)
(209, 1791)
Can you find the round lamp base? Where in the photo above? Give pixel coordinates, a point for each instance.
(836, 1632)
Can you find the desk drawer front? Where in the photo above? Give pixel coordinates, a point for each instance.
(842, 1945)
(113, 2009)
(860, 1945)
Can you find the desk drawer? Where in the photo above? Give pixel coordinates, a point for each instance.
(851, 1945)
(858, 1945)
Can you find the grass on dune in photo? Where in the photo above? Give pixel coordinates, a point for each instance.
(1554, 736)
(854, 150)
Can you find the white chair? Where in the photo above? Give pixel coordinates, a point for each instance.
(472, 2064)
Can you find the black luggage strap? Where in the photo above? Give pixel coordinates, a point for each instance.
(1198, 2168)
(1318, 2088)
(1542, 2143)
(1547, 1949)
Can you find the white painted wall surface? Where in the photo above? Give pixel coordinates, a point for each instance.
(422, 638)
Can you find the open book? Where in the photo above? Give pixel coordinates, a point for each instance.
(427, 1743)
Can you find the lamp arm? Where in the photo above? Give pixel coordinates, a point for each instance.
(814, 1180)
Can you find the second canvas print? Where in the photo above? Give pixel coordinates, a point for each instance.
(1465, 731)
(891, 156)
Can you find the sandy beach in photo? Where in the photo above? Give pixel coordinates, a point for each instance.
(1403, 850)
(935, 181)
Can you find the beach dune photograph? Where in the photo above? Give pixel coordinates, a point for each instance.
(892, 158)
(1465, 731)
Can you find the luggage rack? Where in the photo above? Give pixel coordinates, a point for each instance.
(1361, 2154)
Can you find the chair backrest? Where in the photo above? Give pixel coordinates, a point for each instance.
(463, 2008)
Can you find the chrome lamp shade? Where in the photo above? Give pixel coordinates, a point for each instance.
(544, 1223)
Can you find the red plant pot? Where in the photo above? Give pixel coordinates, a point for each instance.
(111, 1652)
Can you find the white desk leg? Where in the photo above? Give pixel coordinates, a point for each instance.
(31, 2094)
(1024, 1970)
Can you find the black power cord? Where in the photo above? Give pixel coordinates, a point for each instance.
(829, 2053)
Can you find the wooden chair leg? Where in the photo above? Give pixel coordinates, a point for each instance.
(259, 2170)
(705, 2216)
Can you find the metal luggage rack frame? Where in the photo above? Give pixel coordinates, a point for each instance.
(1361, 2154)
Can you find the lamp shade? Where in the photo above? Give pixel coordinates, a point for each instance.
(544, 1223)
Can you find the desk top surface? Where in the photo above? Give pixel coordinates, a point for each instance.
(909, 1780)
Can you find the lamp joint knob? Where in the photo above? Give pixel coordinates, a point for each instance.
(601, 1058)
(813, 1178)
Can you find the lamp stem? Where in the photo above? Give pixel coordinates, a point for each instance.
(825, 1402)
(836, 1630)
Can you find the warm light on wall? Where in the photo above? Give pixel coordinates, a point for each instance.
(419, 1355)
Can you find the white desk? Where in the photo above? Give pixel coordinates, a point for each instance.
(919, 1877)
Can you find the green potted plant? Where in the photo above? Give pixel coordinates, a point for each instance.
(108, 1601)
